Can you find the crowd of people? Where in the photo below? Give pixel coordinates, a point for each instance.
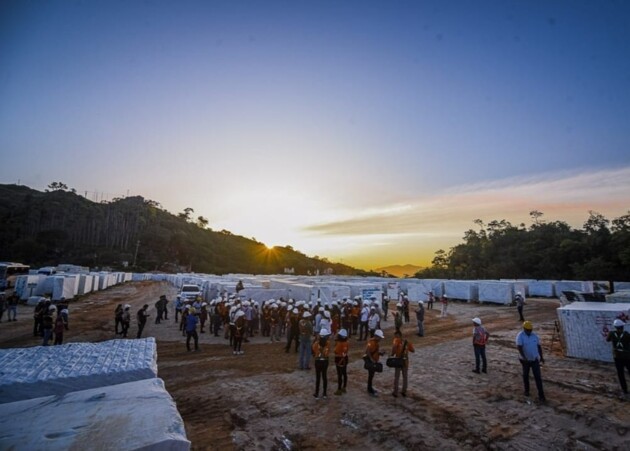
(310, 329)
(318, 332)
(50, 320)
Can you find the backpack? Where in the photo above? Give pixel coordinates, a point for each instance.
(481, 338)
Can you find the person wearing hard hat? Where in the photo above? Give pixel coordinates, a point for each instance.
(293, 329)
(531, 356)
(192, 319)
(374, 320)
(520, 302)
(480, 338)
(321, 349)
(444, 302)
(179, 306)
(239, 331)
(306, 333)
(363, 324)
(274, 323)
(620, 340)
(355, 312)
(126, 320)
(401, 349)
(341, 361)
(203, 317)
(373, 354)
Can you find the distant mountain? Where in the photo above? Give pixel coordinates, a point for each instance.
(48, 228)
(400, 270)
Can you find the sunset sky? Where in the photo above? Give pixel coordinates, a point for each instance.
(371, 133)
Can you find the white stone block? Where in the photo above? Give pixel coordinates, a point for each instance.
(462, 289)
(130, 416)
(46, 370)
(618, 296)
(496, 292)
(585, 326)
(542, 288)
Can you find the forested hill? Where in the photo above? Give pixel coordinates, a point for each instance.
(59, 226)
(600, 250)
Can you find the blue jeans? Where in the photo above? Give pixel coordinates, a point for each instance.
(480, 354)
(534, 365)
(305, 353)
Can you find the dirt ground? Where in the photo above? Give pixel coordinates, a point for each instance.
(260, 400)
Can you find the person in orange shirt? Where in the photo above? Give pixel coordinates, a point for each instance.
(374, 353)
(401, 349)
(321, 348)
(341, 361)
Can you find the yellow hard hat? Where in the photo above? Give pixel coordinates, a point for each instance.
(527, 325)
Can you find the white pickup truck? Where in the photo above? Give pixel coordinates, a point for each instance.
(190, 291)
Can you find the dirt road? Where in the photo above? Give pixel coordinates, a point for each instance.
(260, 400)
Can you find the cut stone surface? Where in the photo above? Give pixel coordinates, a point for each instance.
(131, 416)
(27, 373)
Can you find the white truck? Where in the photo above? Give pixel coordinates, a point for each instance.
(190, 291)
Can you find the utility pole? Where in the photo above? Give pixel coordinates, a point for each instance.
(135, 255)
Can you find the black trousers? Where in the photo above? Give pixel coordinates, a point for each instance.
(342, 376)
(534, 365)
(370, 389)
(193, 335)
(622, 364)
(321, 374)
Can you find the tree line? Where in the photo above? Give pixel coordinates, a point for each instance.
(600, 250)
(59, 226)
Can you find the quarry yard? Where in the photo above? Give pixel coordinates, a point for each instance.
(260, 400)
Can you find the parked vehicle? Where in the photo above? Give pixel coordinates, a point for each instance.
(190, 291)
(9, 272)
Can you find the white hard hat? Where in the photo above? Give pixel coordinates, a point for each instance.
(327, 314)
(399, 305)
(379, 333)
(306, 314)
(127, 306)
(420, 303)
(204, 304)
(343, 333)
(324, 333)
(52, 308)
(240, 313)
(321, 309)
(618, 323)
(295, 311)
(476, 321)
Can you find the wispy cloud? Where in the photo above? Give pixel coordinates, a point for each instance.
(560, 196)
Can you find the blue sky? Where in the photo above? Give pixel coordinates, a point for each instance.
(368, 132)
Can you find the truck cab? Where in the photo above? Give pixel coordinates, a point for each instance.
(190, 291)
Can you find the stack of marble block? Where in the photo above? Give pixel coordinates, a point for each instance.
(87, 396)
(585, 326)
